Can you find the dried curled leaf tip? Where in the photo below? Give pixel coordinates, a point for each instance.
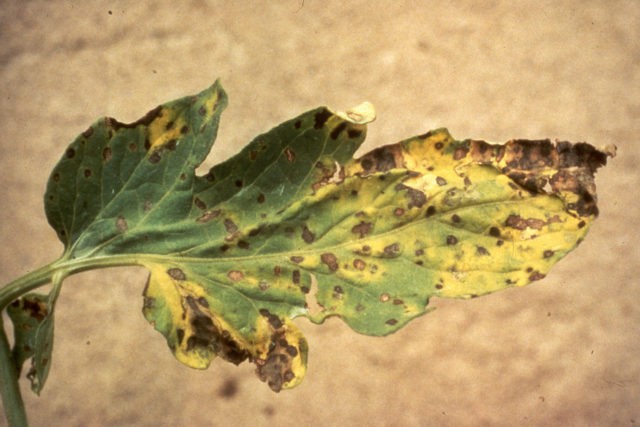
(361, 114)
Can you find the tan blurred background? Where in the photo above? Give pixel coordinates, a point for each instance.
(564, 351)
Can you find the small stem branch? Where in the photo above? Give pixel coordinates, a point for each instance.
(9, 386)
(26, 283)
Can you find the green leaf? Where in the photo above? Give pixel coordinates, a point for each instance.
(293, 221)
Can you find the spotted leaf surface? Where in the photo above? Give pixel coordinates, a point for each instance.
(294, 225)
(32, 317)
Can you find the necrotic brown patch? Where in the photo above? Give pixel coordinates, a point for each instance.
(235, 275)
(321, 118)
(362, 229)
(330, 260)
(307, 235)
(121, 224)
(106, 154)
(176, 273)
(208, 216)
(392, 249)
(290, 155)
(359, 264)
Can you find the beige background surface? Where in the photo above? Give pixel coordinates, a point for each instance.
(565, 351)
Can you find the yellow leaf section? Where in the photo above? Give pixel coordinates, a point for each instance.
(168, 125)
(181, 310)
(511, 211)
(189, 317)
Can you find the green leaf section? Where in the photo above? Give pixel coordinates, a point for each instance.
(293, 221)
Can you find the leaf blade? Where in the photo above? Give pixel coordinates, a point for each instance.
(294, 220)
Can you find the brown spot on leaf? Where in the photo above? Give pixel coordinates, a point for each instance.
(362, 229)
(354, 133)
(209, 215)
(155, 157)
(417, 198)
(171, 145)
(87, 173)
(296, 259)
(441, 181)
(307, 235)
(295, 277)
(70, 153)
(359, 264)
(230, 226)
(176, 273)
(289, 154)
(392, 250)
(481, 250)
(460, 153)
(382, 159)
(321, 118)
(391, 322)
(398, 212)
(106, 154)
(431, 210)
(199, 203)
(206, 335)
(121, 224)
(536, 275)
(261, 198)
(455, 218)
(87, 133)
(519, 223)
(330, 260)
(384, 297)
(35, 309)
(235, 275)
(452, 240)
(338, 292)
(548, 253)
(337, 130)
(494, 232)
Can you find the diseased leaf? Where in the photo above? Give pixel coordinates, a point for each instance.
(32, 317)
(294, 221)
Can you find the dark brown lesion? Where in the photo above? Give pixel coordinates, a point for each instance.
(528, 164)
(146, 120)
(205, 334)
(276, 368)
(330, 260)
(382, 159)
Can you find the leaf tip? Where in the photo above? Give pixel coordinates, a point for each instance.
(361, 114)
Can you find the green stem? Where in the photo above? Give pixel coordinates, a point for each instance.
(56, 271)
(26, 283)
(9, 387)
